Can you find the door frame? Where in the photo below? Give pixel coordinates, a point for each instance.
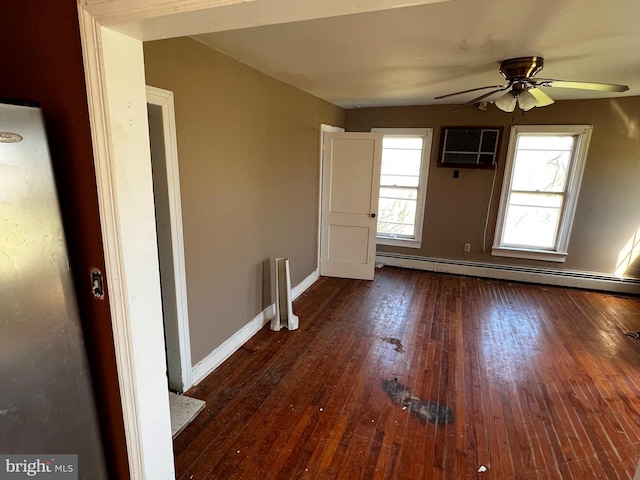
(180, 364)
(117, 105)
(324, 128)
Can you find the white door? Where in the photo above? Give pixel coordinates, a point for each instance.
(350, 189)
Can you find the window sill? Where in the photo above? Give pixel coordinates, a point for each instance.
(399, 242)
(545, 255)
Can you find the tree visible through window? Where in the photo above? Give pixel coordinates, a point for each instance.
(542, 179)
(403, 185)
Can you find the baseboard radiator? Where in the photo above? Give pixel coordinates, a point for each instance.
(564, 278)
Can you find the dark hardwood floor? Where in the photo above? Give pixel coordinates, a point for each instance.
(531, 382)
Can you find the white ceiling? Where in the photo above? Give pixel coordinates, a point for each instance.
(407, 56)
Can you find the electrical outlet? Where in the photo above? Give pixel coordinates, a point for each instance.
(467, 247)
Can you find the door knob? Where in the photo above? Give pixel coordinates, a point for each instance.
(373, 215)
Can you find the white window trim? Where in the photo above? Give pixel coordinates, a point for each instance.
(559, 253)
(427, 134)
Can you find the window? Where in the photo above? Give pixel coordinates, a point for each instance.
(540, 190)
(403, 182)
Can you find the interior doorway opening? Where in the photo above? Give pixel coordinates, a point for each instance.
(166, 192)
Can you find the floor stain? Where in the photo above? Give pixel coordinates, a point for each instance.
(425, 410)
(396, 343)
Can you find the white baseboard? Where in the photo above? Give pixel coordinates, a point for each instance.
(563, 278)
(212, 361)
(305, 284)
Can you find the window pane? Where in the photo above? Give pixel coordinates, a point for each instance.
(541, 170)
(409, 193)
(533, 227)
(397, 141)
(398, 181)
(545, 142)
(398, 212)
(392, 229)
(401, 162)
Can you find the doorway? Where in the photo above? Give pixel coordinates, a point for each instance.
(166, 191)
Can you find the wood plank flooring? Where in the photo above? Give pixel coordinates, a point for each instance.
(541, 381)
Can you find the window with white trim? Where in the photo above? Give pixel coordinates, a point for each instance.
(540, 190)
(403, 185)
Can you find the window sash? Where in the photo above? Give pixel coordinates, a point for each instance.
(509, 238)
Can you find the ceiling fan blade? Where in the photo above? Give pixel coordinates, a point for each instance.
(543, 99)
(471, 90)
(601, 87)
(480, 98)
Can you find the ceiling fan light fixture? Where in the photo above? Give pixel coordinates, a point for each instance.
(523, 88)
(506, 102)
(526, 101)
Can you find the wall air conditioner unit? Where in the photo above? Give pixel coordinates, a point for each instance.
(469, 147)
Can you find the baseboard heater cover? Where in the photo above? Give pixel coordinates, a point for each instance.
(567, 278)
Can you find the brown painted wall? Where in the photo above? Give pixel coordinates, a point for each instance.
(42, 61)
(608, 210)
(248, 148)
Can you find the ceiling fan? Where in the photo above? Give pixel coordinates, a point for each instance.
(523, 90)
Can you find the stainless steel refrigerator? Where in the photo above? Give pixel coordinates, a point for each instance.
(46, 398)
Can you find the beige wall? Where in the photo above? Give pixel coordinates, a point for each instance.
(248, 148)
(608, 210)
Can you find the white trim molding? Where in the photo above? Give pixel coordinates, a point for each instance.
(324, 128)
(529, 254)
(97, 101)
(561, 278)
(158, 19)
(212, 361)
(305, 284)
(116, 98)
